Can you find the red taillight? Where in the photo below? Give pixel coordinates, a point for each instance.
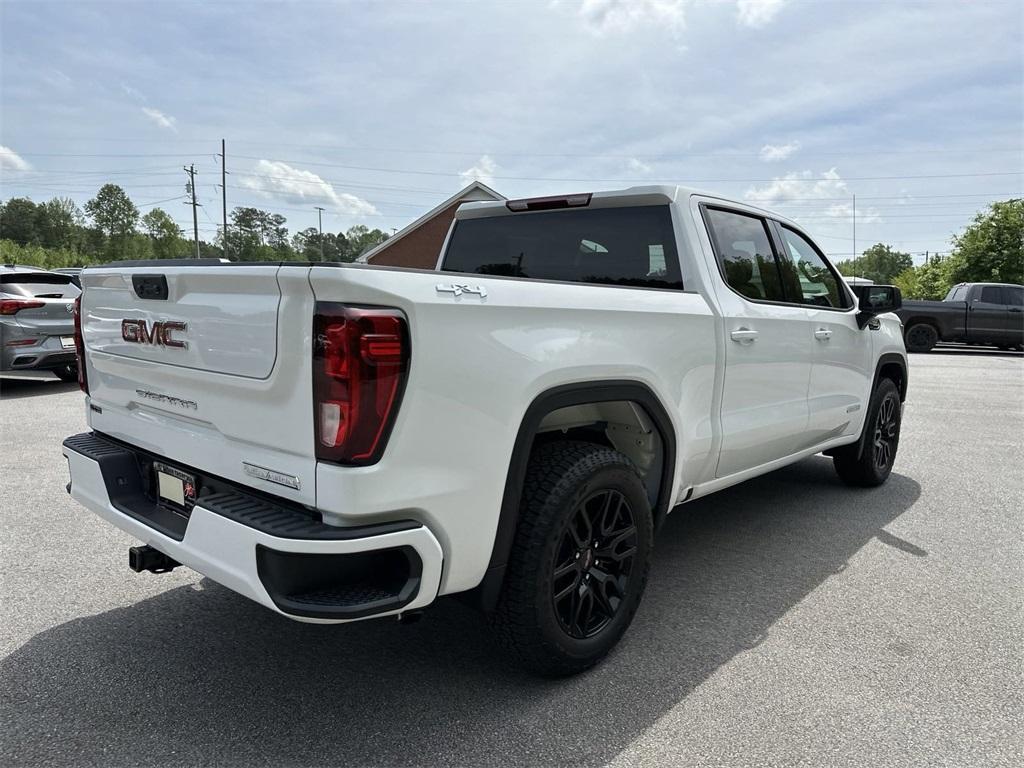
(83, 380)
(12, 306)
(360, 359)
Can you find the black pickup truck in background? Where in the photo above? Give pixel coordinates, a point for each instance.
(990, 314)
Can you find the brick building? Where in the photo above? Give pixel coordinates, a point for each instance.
(419, 244)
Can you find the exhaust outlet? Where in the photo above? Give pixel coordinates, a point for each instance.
(145, 558)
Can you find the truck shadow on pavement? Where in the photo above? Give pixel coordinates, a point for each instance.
(14, 388)
(200, 675)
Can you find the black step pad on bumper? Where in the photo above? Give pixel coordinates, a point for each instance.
(127, 474)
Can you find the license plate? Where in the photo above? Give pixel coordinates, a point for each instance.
(68, 342)
(175, 487)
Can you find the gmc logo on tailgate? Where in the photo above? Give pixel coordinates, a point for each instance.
(139, 332)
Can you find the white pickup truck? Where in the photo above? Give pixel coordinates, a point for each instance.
(340, 441)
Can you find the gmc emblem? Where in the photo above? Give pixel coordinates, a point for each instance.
(138, 332)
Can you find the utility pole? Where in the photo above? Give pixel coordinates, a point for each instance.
(191, 171)
(224, 194)
(855, 254)
(320, 226)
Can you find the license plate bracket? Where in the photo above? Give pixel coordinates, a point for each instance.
(175, 488)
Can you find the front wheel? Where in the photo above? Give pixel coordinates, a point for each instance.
(882, 425)
(579, 562)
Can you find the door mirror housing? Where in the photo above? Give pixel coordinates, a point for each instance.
(876, 300)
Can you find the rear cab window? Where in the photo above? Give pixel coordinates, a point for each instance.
(38, 285)
(628, 246)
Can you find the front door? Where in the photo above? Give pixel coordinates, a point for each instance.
(842, 364)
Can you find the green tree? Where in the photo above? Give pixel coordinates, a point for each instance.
(115, 214)
(928, 281)
(879, 263)
(165, 235)
(60, 223)
(19, 221)
(360, 239)
(991, 249)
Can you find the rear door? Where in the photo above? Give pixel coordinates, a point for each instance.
(767, 346)
(1015, 313)
(842, 363)
(206, 365)
(987, 318)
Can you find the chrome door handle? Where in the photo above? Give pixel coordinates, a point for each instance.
(823, 334)
(743, 335)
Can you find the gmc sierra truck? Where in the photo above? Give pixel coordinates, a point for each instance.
(972, 313)
(339, 441)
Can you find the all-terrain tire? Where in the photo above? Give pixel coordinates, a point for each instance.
(566, 526)
(882, 425)
(921, 337)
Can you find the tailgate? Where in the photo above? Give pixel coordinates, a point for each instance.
(206, 365)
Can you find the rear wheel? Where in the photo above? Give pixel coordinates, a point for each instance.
(579, 563)
(921, 337)
(882, 425)
(67, 372)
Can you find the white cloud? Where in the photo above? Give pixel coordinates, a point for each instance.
(483, 171)
(132, 92)
(293, 185)
(158, 117)
(56, 78)
(805, 189)
(609, 16)
(615, 16)
(757, 13)
(638, 166)
(12, 161)
(772, 152)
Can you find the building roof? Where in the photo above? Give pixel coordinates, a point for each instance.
(475, 191)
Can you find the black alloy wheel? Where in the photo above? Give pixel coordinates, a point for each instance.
(593, 563)
(880, 439)
(886, 433)
(578, 565)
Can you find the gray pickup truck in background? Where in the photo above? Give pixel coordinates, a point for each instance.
(972, 313)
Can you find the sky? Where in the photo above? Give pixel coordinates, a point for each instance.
(379, 111)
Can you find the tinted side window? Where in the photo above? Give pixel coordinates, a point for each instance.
(991, 294)
(1014, 296)
(807, 274)
(617, 246)
(744, 252)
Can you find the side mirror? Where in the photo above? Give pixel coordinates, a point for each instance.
(876, 300)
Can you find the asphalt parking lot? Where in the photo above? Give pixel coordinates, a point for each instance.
(789, 621)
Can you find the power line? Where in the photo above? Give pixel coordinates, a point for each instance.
(566, 179)
(508, 153)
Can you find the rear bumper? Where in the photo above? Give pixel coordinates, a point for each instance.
(279, 556)
(36, 357)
